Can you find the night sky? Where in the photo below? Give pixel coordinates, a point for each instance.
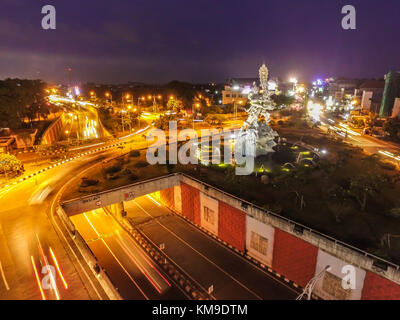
(157, 41)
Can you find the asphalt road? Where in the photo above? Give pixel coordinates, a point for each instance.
(368, 143)
(28, 232)
(204, 259)
(134, 274)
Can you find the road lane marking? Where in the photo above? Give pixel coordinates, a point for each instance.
(237, 255)
(203, 256)
(116, 259)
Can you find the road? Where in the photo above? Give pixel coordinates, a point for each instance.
(203, 258)
(368, 143)
(135, 275)
(82, 118)
(27, 233)
(38, 260)
(31, 235)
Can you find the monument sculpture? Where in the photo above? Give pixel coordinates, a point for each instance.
(256, 137)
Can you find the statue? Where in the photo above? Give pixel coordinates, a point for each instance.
(256, 137)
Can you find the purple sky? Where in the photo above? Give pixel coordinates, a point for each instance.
(197, 40)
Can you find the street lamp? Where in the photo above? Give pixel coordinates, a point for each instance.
(128, 98)
(154, 100)
(108, 96)
(308, 290)
(197, 105)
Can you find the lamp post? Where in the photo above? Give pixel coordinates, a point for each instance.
(139, 98)
(308, 290)
(149, 97)
(108, 95)
(197, 105)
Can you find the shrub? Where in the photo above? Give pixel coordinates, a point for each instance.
(394, 213)
(134, 154)
(133, 177)
(88, 182)
(113, 169)
(141, 164)
(387, 166)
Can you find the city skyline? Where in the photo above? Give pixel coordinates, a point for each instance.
(121, 42)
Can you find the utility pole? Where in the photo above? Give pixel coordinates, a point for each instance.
(122, 120)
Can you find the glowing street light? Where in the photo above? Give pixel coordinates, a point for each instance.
(293, 80)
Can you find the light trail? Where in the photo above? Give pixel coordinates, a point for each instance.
(140, 266)
(153, 200)
(115, 257)
(85, 147)
(58, 269)
(47, 266)
(4, 277)
(38, 279)
(389, 154)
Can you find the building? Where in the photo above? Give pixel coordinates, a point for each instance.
(396, 108)
(390, 93)
(341, 87)
(6, 144)
(237, 89)
(371, 93)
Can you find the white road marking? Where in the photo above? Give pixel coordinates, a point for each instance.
(199, 253)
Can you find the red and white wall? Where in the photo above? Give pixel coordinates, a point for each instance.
(330, 289)
(267, 232)
(209, 213)
(283, 251)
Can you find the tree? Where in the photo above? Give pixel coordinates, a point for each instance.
(392, 127)
(9, 163)
(20, 99)
(340, 201)
(282, 100)
(175, 104)
(214, 119)
(343, 156)
(362, 187)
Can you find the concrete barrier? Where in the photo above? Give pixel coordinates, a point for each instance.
(126, 193)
